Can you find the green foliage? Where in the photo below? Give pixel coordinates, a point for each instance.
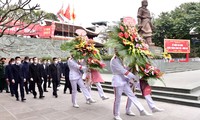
(51, 16)
(177, 23)
(106, 57)
(46, 58)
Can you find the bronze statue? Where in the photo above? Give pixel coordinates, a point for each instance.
(144, 23)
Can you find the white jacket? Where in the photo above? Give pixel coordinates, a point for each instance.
(121, 76)
(74, 69)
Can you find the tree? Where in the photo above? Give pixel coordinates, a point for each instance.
(18, 14)
(177, 23)
(51, 16)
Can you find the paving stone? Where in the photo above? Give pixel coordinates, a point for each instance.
(51, 108)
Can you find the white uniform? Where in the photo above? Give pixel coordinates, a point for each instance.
(88, 84)
(148, 98)
(75, 77)
(120, 82)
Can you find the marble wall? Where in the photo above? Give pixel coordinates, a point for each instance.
(18, 46)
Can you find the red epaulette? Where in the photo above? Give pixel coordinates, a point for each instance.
(127, 72)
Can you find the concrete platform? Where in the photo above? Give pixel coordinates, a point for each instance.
(186, 80)
(60, 108)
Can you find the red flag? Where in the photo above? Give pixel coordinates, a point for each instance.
(67, 13)
(73, 15)
(60, 13)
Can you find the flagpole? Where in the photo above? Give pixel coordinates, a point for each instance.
(68, 28)
(73, 18)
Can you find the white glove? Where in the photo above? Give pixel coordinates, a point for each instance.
(84, 68)
(31, 79)
(13, 81)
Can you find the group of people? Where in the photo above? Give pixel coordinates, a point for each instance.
(29, 72)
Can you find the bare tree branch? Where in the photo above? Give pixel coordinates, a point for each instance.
(20, 15)
(19, 12)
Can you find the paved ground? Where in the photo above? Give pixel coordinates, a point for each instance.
(60, 108)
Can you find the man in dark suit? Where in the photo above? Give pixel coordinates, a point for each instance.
(67, 82)
(49, 80)
(18, 78)
(2, 74)
(61, 64)
(26, 73)
(55, 73)
(45, 73)
(8, 71)
(36, 77)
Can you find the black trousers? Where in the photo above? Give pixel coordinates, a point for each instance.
(3, 84)
(49, 82)
(39, 85)
(26, 86)
(55, 86)
(45, 84)
(67, 85)
(12, 87)
(16, 85)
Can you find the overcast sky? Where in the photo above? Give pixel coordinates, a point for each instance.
(88, 11)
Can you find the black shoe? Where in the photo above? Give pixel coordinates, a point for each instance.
(17, 99)
(27, 93)
(64, 92)
(46, 91)
(23, 99)
(56, 96)
(12, 95)
(41, 97)
(79, 91)
(35, 97)
(0, 91)
(49, 87)
(7, 91)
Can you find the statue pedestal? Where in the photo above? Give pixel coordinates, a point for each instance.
(156, 50)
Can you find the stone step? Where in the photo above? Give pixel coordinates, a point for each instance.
(156, 88)
(176, 95)
(169, 89)
(180, 101)
(164, 93)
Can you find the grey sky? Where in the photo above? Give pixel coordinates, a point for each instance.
(88, 11)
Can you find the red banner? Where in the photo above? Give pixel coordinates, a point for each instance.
(176, 46)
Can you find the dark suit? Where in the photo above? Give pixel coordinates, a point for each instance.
(2, 76)
(61, 64)
(27, 76)
(67, 82)
(45, 74)
(36, 73)
(8, 72)
(55, 73)
(49, 80)
(17, 73)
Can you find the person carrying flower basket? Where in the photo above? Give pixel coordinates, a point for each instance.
(120, 83)
(93, 76)
(136, 55)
